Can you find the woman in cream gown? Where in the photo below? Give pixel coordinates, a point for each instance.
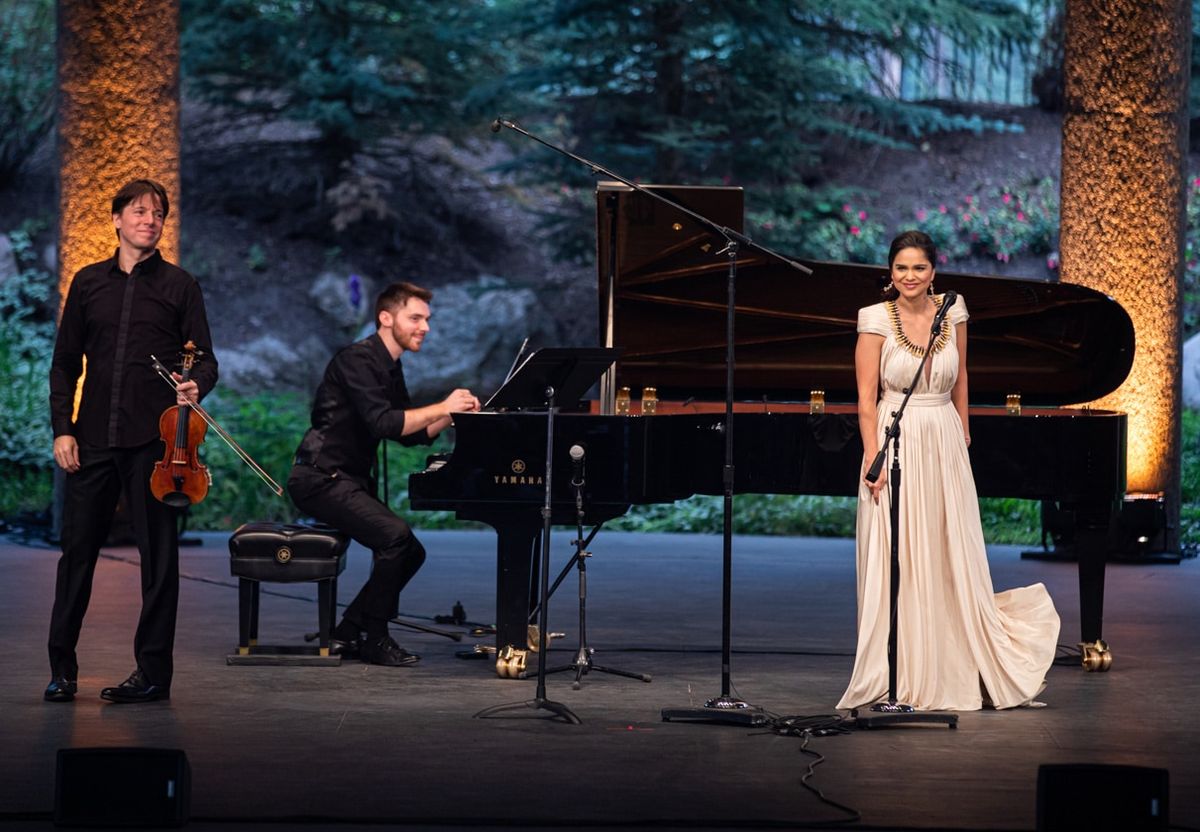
(959, 641)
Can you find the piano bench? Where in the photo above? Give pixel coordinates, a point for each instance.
(285, 553)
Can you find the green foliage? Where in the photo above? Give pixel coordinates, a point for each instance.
(25, 490)
(1194, 91)
(721, 88)
(26, 79)
(836, 224)
(1191, 265)
(1004, 520)
(403, 461)
(256, 258)
(1189, 531)
(941, 224)
(822, 225)
(353, 70)
(1009, 520)
(1013, 219)
(26, 344)
(268, 428)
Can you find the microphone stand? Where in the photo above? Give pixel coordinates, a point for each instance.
(724, 708)
(893, 712)
(540, 701)
(582, 664)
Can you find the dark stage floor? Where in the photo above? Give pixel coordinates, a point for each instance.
(345, 746)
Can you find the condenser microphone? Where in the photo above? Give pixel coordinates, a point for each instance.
(496, 125)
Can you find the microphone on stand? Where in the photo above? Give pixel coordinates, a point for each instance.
(577, 454)
(948, 300)
(496, 125)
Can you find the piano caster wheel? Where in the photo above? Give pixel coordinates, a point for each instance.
(1097, 658)
(532, 642)
(510, 662)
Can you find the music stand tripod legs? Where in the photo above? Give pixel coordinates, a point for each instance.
(583, 664)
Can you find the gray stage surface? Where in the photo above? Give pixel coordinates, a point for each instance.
(340, 747)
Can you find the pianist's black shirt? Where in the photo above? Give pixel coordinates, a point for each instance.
(117, 321)
(361, 400)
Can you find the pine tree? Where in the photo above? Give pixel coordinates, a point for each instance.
(742, 89)
(353, 70)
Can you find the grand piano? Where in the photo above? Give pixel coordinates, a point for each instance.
(1036, 347)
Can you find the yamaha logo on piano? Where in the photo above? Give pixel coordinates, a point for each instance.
(517, 477)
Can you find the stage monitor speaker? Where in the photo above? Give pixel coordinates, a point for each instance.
(1094, 797)
(122, 787)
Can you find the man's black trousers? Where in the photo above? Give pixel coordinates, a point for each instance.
(351, 507)
(90, 500)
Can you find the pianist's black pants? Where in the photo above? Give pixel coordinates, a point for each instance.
(90, 499)
(351, 507)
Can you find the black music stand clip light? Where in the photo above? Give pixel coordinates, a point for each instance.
(546, 377)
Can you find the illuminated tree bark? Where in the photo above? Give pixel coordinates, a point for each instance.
(118, 119)
(1125, 136)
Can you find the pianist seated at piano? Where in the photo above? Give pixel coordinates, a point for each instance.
(961, 645)
(361, 401)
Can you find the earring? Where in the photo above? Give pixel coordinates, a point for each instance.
(930, 289)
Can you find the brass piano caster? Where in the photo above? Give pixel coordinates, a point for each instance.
(510, 662)
(1097, 658)
(532, 640)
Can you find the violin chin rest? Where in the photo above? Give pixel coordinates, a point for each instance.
(177, 499)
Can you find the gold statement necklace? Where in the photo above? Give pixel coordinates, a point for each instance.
(914, 349)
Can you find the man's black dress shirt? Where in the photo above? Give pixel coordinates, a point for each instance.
(361, 401)
(117, 321)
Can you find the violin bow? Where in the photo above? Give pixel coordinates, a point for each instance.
(165, 375)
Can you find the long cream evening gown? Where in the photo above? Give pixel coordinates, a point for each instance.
(955, 632)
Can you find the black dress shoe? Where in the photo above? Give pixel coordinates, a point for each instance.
(60, 689)
(345, 649)
(136, 688)
(385, 651)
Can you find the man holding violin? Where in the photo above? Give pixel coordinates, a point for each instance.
(117, 314)
(361, 401)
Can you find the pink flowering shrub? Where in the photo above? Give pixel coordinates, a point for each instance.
(1014, 219)
(828, 226)
(1010, 220)
(941, 224)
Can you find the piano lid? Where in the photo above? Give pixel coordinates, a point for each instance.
(1053, 343)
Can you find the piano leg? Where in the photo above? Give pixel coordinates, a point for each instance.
(1093, 540)
(517, 548)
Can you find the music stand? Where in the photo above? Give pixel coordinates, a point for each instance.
(567, 371)
(549, 375)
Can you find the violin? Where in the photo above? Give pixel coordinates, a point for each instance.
(179, 478)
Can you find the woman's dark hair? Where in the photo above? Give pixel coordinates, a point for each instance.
(396, 295)
(908, 239)
(138, 188)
